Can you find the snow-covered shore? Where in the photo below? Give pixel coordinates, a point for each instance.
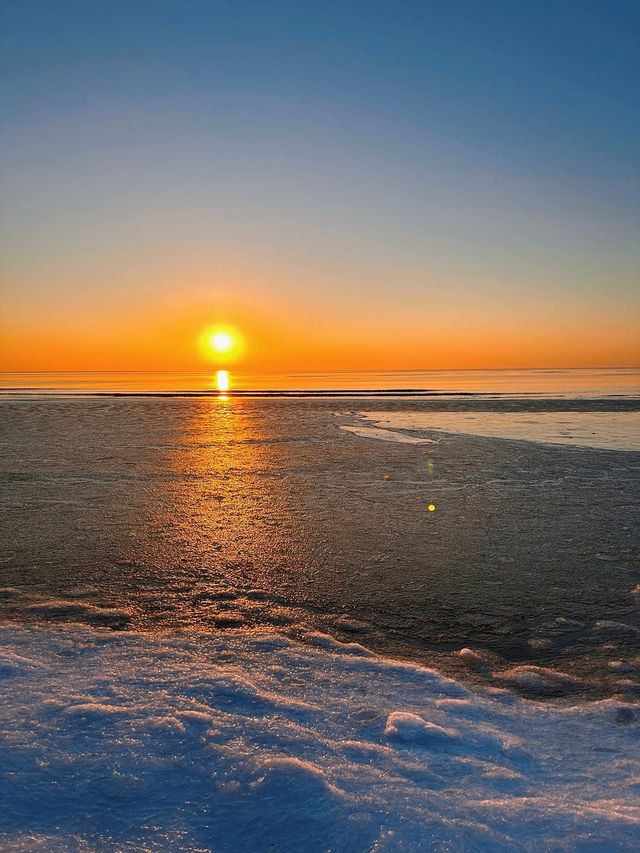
(123, 741)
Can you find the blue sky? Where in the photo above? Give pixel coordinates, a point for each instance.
(430, 157)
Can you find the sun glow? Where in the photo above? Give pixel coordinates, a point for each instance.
(221, 343)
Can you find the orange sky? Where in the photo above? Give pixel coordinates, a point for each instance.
(139, 332)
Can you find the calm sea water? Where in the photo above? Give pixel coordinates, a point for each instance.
(586, 383)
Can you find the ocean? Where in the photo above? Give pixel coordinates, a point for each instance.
(562, 382)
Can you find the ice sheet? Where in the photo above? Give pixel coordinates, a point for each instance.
(605, 430)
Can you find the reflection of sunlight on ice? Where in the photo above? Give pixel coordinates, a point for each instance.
(228, 514)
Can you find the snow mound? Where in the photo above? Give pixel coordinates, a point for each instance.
(538, 680)
(326, 641)
(117, 741)
(410, 728)
(475, 659)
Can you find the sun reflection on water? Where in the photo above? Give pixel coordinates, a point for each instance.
(222, 383)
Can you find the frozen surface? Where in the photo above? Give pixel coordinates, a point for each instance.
(164, 513)
(253, 742)
(386, 434)
(604, 430)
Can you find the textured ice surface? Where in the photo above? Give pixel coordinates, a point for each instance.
(253, 742)
(605, 430)
(386, 435)
(174, 513)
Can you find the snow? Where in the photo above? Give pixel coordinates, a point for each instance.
(113, 740)
(537, 680)
(603, 430)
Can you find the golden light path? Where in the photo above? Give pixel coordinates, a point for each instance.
(222, 381)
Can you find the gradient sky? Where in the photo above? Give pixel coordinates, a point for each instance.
(354, 185)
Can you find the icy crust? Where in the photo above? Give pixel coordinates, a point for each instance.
(41, 607)
(601, 430)
(120, 741)
(386, 435)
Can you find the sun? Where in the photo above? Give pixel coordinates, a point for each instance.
(221, 343)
